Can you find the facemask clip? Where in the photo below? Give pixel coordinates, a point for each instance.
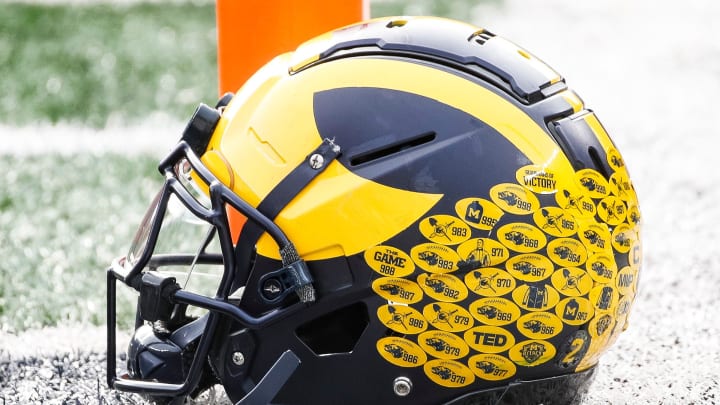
(276, 285)
(156, 291)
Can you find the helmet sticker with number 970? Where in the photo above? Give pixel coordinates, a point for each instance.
(490, 282)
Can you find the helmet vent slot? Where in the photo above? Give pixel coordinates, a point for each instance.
(600, 164)
(392, 148)
(580, 143)
(336, 332)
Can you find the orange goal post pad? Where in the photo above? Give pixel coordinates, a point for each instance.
(251, 32)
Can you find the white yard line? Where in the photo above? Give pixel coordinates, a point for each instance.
(153, 138)
(57, 340)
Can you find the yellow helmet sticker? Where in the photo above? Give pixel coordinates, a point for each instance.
(604, 298)
(633, 214)
(531, 353)
(521, 237)
(443, 287)
(621, 187)
(624, 305)
(635, 255)
(514, 198)
(615, 160)
(479, 213)
(482, 252)
(572, 281)
(574, 349)
(401, 352)
(490, 282)
(435, 258)
(448, 373)
(626, 280)
(402, 319)
(622, 238)
(445, 229)
(567, 252)
(491, 367)
(389, 261)
(448, 317)
(539, 325)
(601, 325)
(555, 221)
(489, 339)
(537, 179)
(612, 210)
(397, 290)
(443, 345)
(595, 236)
(535, 297)
(593, 183)
(602, 267)
(495, 311)
(576, 201)
(575, 310)
(530, 267)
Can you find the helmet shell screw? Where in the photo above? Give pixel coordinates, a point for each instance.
(238, 358)
(402, 386)
(316, 161)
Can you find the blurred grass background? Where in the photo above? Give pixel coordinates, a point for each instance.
(105, 64)
(63, 218)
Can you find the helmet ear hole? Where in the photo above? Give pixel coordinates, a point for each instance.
(335, 332)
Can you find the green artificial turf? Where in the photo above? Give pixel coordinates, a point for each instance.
(62, 220)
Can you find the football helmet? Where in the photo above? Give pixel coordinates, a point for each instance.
(404, 210)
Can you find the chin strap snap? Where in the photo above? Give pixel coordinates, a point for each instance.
(294, 276)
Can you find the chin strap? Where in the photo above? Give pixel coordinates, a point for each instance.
(273, 380)
(303, 280)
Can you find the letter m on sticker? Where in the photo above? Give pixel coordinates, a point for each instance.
(474, 212)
